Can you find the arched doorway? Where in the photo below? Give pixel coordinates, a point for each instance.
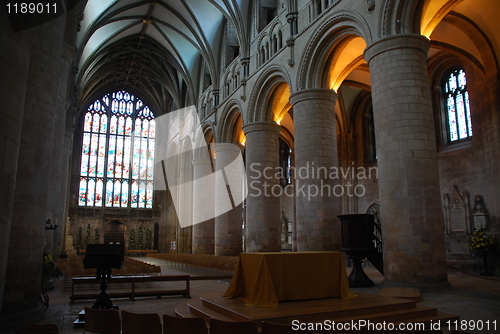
(114, 233)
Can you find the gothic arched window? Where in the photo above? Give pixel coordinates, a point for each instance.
(117, 153)
(456, 98)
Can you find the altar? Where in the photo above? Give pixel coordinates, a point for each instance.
(265, 279)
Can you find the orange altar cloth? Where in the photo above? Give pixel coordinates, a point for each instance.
(264, 279)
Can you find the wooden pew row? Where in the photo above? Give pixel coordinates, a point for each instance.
(225, 263)
(131, 290)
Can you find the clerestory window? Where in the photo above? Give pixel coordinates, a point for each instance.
(118, 148)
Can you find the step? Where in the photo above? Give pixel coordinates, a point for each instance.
(78, 324)
(395, 316)
(200, 309)
(81, 315)
(184, 311)
(408, 293)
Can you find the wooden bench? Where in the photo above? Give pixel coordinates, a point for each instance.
(133, 292)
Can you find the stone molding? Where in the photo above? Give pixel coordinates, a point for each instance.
(418, 42)
(261, 126)
(313, 94)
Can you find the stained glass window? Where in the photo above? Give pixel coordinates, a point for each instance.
(457, 106)
(117, 153)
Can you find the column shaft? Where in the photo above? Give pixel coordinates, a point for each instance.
(24, 266)
(317, 202)
(228, 209)
(204, 207)
(263, 224)
(13, 81)
(412, 222)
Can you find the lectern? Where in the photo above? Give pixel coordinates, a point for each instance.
(359, 242)
(103, 258)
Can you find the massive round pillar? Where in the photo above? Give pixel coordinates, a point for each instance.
(410, 201)
(263, 223)
(46, 76)
(228, 204)
(203, 207)
(316, 187)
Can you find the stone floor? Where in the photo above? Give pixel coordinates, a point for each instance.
(475, 299)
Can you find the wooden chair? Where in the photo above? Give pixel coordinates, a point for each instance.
(178, 325)
(29, 328)
(102, 321)
(272, 328)
(232, 327)
(137, 323)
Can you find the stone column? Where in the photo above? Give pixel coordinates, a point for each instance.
(14, 58)
(59, 159)
(204, 207)
(24, 265)
(228, 211)
(410, 201)
(263, 223)
(317, 190)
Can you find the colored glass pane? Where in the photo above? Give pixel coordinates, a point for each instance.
(152, 128)
(112, 125)
(121, 125)
(130, 107)
(82, 197)
(137, 130)
(117, 193)
(452, 119)
(134, 194)
(462, 123)
(98, 192)
(104, 124)
(114, 164)
(124, 197)
(109, 193)
(457, 104)
(87, 122)
(128, 126)
(95, 123)
(91, 192)
(467, 111)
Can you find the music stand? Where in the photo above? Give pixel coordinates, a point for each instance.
(103, 258)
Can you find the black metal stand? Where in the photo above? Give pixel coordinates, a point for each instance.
(485, 262)
(103, 300)
(358, 278)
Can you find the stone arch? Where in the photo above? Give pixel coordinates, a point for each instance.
(258, 107)
(229, 117)
(400, 16)
(488, 62)
(261, 43)
(201, 140)
(326, 39)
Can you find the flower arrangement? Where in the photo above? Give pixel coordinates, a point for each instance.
(131, 244)
(480, 241)
(79, 239)
(49, 268)
(140, 238)
(148, 239)
(87, 240)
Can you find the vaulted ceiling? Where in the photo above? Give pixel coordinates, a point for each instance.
(158, 49)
